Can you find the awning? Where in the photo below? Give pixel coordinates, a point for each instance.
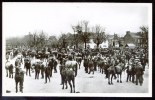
(130, 45)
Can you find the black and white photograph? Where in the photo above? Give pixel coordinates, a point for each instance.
(77, 49)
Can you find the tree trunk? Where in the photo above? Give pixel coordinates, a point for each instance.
(98, 45)
(85, 44)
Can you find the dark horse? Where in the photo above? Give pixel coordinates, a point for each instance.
(130, 73)
(19, 78)
(9, 67)
(69, 73)
(104, 67)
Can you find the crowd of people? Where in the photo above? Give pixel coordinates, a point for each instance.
(111, 61)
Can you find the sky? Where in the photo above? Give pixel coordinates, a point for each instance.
(18, 19)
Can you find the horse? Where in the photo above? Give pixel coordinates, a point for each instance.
(45, 69)
(139, 74)
(69, 73)
(119, 68)
(9, 68)
(130, 73)
(101, 65)
(111, 73)
(19, 78)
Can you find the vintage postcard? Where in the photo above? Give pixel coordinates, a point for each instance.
(77, 49)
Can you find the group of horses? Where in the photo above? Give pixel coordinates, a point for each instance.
(19, 73)
(111, 65)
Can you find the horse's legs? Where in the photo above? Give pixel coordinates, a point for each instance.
(61, 80)
(73, 81)
(85, 70)
(21, 86)
(117, 77)
(29, 72)
(66, 83)
(49, 78)
(111, 79)
(133, 78)
(79, 65)
(127, 78)
(55, 69)
(38, 74)
(93, 71)
(70, 85)
(102, 70)
(45, 78)
(16, 86)
(6, 73)
(26, 71)
(141, 80)
(136, 79)
(9, 74)
(95, 66)
(62, 84)
(12, 73)
(51, 72)
(35, 74)
(120, 77)
(89, 71)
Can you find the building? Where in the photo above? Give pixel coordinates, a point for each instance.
(133, 38)
(113, 40)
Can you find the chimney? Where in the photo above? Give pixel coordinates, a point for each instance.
(127, 32)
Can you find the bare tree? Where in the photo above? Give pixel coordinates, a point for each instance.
(83, 31)
(76, 30)
(144, 35)
(99, 35)
(52, 41)
(62, 40)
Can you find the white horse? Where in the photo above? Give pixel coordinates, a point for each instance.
(68, 74)
(72, 65)
(9, 68)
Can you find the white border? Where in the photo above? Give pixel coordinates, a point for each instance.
(149, 94)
